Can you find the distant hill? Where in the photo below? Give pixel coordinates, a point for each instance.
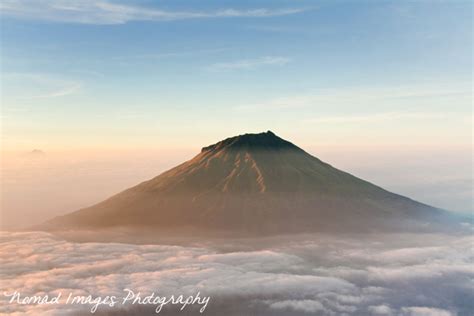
(35, 153)
(255, 183)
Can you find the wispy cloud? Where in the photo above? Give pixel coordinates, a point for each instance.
(68, 89)
(248, 64)
(172, 54)
(378, 117)
(406, 96)
(105, 12)
(38, 86)
(276, 29)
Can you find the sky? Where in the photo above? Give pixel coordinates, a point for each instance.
(348, 80)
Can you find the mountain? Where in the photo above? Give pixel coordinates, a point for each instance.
(35, 153)
(255, 183)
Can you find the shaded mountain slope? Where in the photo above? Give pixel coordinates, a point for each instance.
(255, 183)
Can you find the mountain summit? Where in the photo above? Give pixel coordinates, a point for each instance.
(266, 140)
(256, 183)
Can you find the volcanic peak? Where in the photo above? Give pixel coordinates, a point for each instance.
(263, 141)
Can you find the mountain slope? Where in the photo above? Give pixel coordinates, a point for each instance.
(255, 183)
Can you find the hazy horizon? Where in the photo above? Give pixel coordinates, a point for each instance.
(37, 187)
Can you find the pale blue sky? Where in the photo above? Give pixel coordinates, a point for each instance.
(146, 69)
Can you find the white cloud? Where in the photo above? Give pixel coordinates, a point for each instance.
(312, 274)
(425, 311)
(105, 12)
(380, 310)
(308, 306)
(248, 64)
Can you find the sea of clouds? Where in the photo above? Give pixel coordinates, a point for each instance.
(397, 274)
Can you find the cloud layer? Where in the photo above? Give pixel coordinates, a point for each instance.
(105, 12)
(309, 275)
